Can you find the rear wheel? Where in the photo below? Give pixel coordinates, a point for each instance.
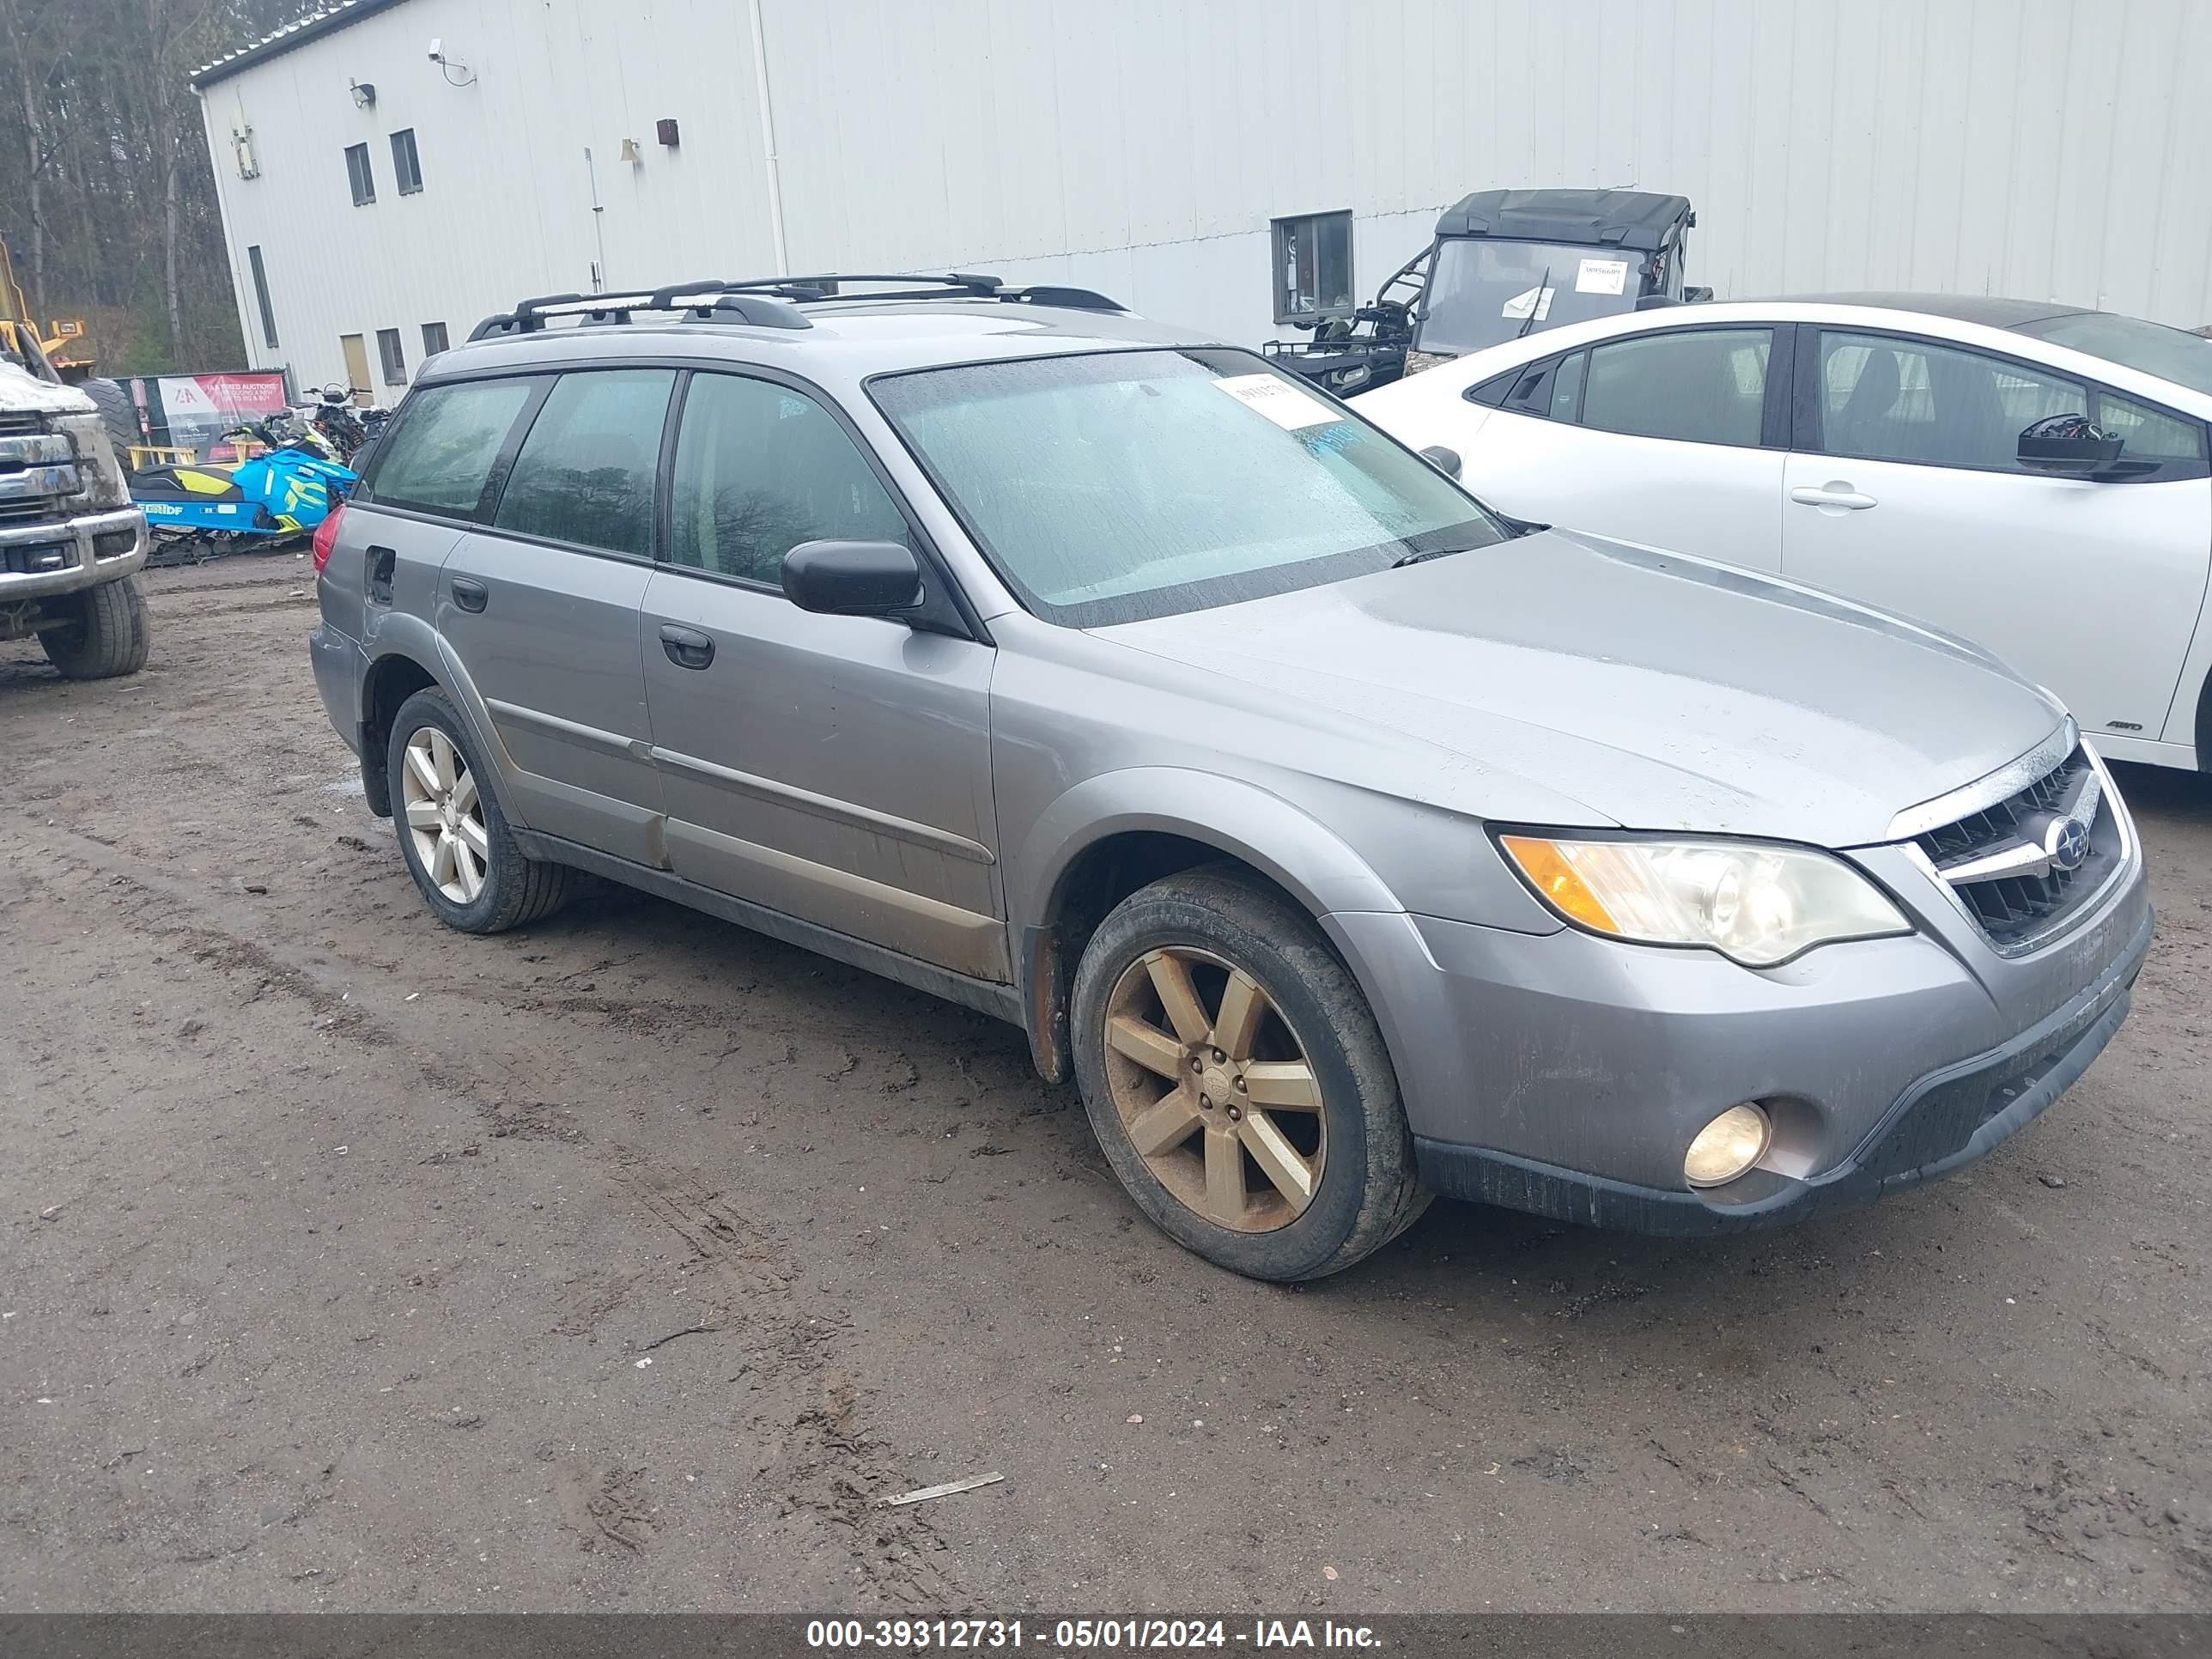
(1236, 1081)
(106, 635)
(453, 836)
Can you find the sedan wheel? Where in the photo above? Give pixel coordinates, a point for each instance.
(1214, 1089)
(445, 815)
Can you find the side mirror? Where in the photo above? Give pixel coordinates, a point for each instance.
(1445, 461)
(2069, 446)
(1692, 295)
(851, 578)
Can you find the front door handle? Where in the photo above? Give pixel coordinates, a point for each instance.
(1838, 496)
(687, 647)
(470, 594)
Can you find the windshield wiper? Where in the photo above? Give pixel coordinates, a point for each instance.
(1422, 555)
(1542, 283)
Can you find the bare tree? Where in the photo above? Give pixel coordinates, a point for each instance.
(106, 191)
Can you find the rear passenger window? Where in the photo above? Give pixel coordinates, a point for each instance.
(585, 474)
(761, 468)
(438, 454)
(1550, 390)
(1704, 385)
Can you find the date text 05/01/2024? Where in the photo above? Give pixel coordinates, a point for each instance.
(1077, 1635)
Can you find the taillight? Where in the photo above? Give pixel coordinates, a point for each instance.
(326, 538)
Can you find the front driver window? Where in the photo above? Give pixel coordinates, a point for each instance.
(761, 468)
(1888, 399)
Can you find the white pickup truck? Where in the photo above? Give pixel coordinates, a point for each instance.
(70, 543)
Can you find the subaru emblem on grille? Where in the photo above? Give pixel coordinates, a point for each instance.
(2067, 842)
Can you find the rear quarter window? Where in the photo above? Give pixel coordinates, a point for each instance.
(439, 454)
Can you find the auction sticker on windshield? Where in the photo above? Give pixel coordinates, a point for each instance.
(1279, 401)
(1601, 276)
(1535, 302)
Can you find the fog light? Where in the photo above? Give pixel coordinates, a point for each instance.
(1727, 1146)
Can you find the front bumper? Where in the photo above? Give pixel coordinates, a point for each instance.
(85, 566)
(1566, 1073)
(1942, 1122)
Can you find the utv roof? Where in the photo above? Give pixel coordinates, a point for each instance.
(1617, 218)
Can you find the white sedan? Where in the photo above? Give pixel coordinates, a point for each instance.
(2030, 476)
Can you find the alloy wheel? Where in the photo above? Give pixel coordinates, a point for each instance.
(445, 815)
(1214, 1089)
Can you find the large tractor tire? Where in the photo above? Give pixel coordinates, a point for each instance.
(118, 414)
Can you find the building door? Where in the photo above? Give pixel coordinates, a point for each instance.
(356, 356)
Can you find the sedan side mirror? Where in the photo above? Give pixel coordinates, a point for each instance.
(1445, 461)
(2068, 446)
(851, 578)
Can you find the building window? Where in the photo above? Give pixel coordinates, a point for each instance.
(261, 295)
(406, 166)
(387, 349)
(358, 175)
(433, 338)
(1313, 267)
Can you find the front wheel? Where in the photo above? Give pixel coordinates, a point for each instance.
(1237, 1082)
(106, 635)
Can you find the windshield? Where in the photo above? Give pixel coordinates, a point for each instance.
(2170, 354)
(1116, 486)
(1482, 292)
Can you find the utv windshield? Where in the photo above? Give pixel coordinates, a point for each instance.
(1482, 292)
(1117, 486)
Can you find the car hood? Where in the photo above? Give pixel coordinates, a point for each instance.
(1647, 689)
(21, 391)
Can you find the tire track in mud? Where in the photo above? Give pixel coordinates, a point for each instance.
(805, 1403)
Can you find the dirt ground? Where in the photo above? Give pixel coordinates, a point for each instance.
(626, 1262)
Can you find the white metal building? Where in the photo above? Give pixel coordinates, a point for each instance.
(378, 199)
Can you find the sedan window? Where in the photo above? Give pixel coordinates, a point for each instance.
(2169, 353)
(1701, 386)
(1888, 399)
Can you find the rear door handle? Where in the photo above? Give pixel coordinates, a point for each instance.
(1834, 495)
(687, 647)
(470, 594)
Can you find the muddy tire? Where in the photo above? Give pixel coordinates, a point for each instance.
(108, 634)
(452, 835)
(1237, 1082)
(118, 414)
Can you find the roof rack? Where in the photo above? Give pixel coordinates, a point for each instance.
(773, 301)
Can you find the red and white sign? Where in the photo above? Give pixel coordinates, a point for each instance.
(217, 397)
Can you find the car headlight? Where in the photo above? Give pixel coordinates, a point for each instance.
(1754, 904)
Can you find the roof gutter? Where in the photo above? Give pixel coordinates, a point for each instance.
(341, 15)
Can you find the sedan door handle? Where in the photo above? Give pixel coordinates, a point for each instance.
(1834, 495)
(470, 594)
(687, 647)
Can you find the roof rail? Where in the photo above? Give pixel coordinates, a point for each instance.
(703, 300)
(773, 301)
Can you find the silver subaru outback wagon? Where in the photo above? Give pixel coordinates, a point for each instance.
(1345, 843)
